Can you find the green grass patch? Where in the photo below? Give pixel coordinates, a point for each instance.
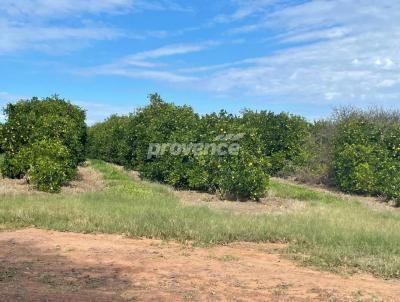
(331, 233)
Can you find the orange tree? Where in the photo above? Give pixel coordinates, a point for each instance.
(39, 135)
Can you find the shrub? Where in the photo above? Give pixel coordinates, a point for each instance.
(65, 130)
(280, 136)
(52, 118)
(50, 165)
(389, 179)
(159, 122)
(356, 168)
(315, 164)
(109, 141)
(355, 150)
(358, 151)
(366, 152)
(15, 165)
(243, 176)
(45, 140)
(1, 139)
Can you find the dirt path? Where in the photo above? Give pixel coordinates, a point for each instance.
(37, 265)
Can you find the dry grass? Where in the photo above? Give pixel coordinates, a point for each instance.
(267, 205)
(331, 233)
(271, 204)
(88, 180)
(16, 187)
(374, 203)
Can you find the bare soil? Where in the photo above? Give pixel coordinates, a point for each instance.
(374, 203)
(38, 265)
(88, 180)
(270, 205)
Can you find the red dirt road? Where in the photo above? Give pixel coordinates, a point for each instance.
(37, 265)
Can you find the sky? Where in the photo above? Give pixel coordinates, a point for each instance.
(303, 57)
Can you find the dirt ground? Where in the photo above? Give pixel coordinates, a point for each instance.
(267, 205)
(374, 203)
(37, 265)
(87, 180)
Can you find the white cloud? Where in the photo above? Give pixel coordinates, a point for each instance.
(245, 9)
(61, 8)
(97, 111)
(324, 34)
(50, 39)
(312, 72)
(6, 97)
(29, 24)
(332, 54)
(142, 64)
(170, 50)
(58, 8)
(159, 75)
(326, 51)
(334, 51)
(331, 95)
(388, 82)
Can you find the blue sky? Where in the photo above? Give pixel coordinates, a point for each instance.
(305, 57)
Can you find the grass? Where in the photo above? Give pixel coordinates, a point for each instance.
(6, 272)
(331, 233)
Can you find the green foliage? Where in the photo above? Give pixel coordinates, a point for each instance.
(366, 152)
(108, 141)
(66, 130)
(44, 140)
(50, 118)
(1, 139)
(389, 180)
(161, 122)
(280, 136)
(15, 165)
(50, 165)
(357, 151)
(356, 168)
(240, 176)
(315, 164)
(243, 176)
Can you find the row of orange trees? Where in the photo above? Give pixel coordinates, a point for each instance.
(354, 150)
(265, 143)
(357, 151)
